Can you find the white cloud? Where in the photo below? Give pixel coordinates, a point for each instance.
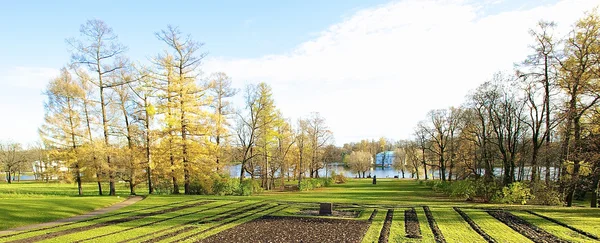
(378, 72)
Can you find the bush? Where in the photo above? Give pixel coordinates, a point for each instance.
(466, 189)
(544, 195)
(463, 189)
(249, 187)
(163, 187)
(224, 185)
(517, 192)
(312, 183)
(338, 179)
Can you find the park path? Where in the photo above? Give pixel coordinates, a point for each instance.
(116, 206)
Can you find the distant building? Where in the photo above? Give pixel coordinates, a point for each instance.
(385, 158)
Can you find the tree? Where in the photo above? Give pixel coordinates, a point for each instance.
(255, 129)
(221, 90)
(578, 75)
(423, 144)
(400, 158)
(63, 128)
(540, 74)
(130, 130)
(185, 98)
(145, 112)
(319, 135)
(89, 151)
(11, 158)
(439, 135)
(96, 49)
(301, 144)
(360, 161)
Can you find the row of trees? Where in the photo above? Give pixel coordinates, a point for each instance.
(165, 124)
(539, 124)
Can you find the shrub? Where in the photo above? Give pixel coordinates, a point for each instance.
(463, 189)
(544, 195)
(517, 192)
(249, 187)
(338, 178)
(163, 187)
(224, 185)
(312, 183)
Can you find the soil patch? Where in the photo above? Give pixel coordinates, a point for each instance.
(294, 229)
(437, 234)
(214, 218)
(156, 222)
(107, 223)
(411, 224)
(564, 225)
(387, 224)
(474, 226)
(224, 223)
(525, 228)
(335, 213)
(373, 214)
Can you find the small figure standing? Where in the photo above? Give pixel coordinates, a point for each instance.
(374, 180)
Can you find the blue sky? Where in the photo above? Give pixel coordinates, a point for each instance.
(351, 60)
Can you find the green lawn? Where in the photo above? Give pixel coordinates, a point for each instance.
(189, 218)
(24, 210)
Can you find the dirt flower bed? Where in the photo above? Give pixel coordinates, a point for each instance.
(474, 225)
(294, 229)
(439, 237)
(387, 224)
(411, 224)
(373, 214)
(564, 225)
(525, 228)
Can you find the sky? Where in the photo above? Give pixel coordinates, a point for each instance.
(370, 68)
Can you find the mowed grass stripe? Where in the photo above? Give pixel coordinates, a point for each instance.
(102, 224)
(206, 225)
(157, 225)
(474, 225)
(397, 232)
(192, 224)
(564, 225)
(122, 211)
(453, 227)
(130, 225)
(232, 222)
(496, 229)
(553, 228)
(114, 216)
(374, 230)
(426, 231)
(387, 224)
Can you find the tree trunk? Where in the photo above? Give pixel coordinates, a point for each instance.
(423, 161)
(534, 156)
(594, 202)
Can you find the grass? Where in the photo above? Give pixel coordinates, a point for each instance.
(372, 234)
(30, 202)
(453, 227)
(25, 210)
(553, 228)
(494, 228)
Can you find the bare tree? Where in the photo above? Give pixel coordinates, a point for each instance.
(96, 49)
